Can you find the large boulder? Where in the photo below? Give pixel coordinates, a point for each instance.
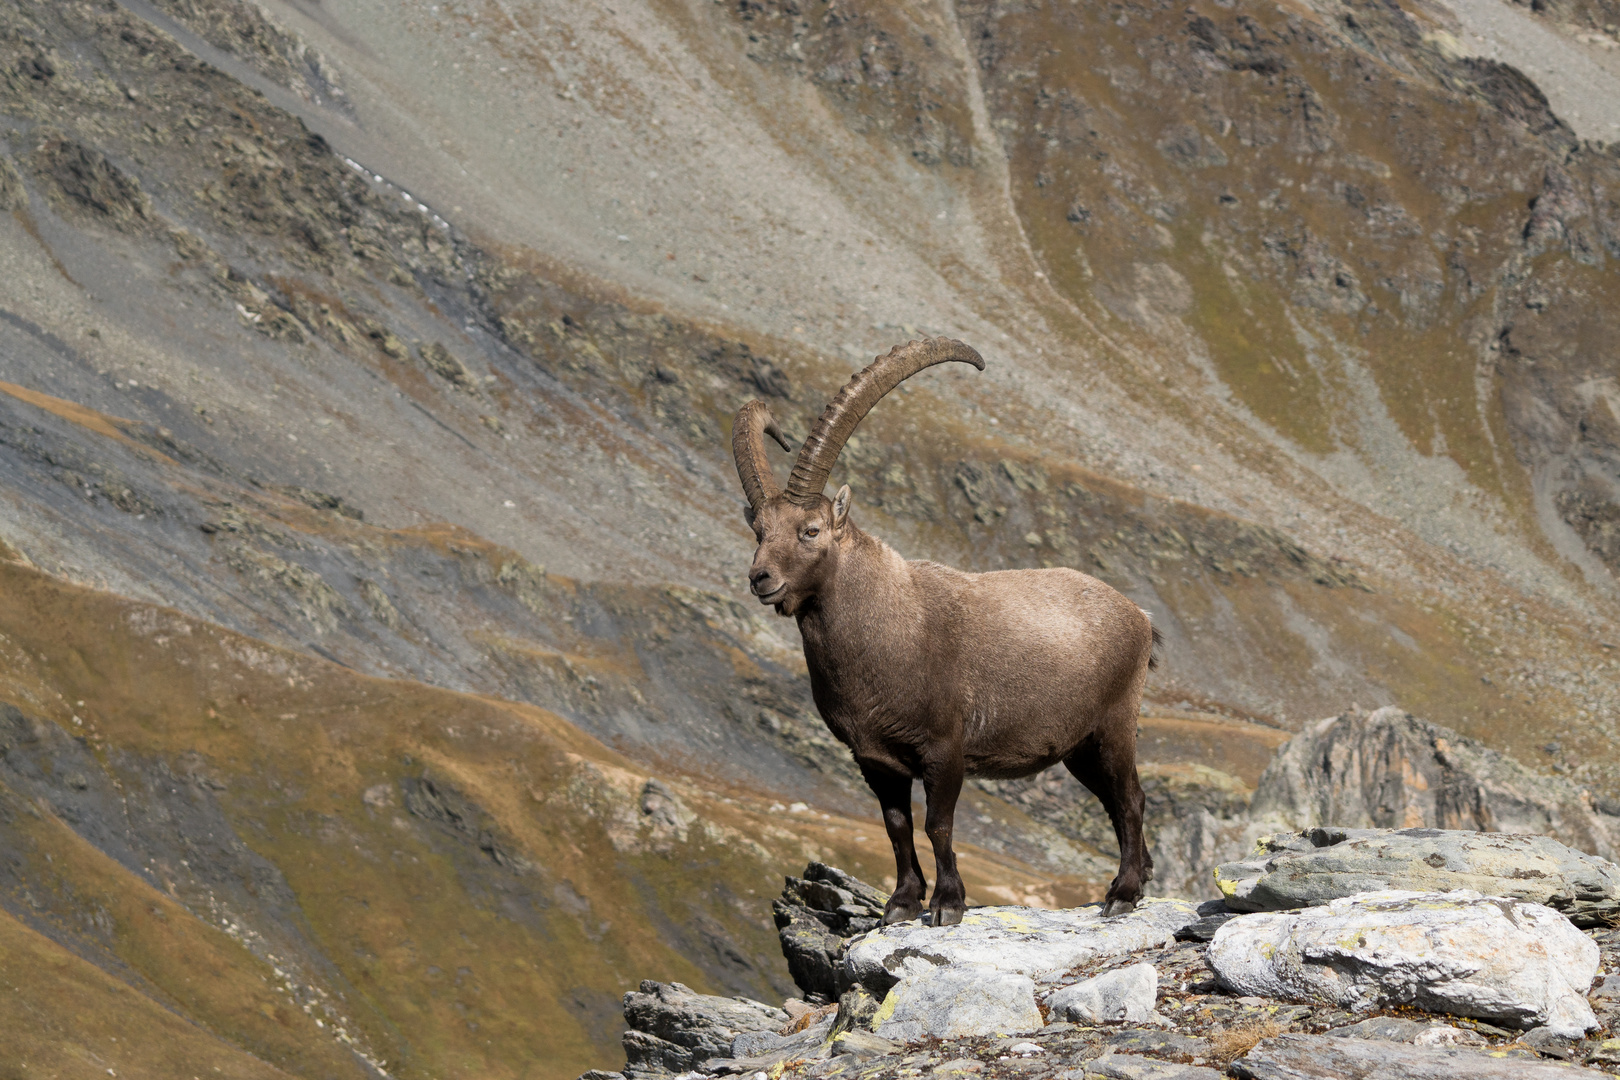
(1294, 870)
(1319, 1057)
(1509, 962)
(674, 1029)
(1023, 941)
(1390, 770)
(958, 1002)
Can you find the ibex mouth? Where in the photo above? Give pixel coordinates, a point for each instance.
(774, 596)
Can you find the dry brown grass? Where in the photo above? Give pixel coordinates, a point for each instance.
(808, 1018)
(1234, 1042)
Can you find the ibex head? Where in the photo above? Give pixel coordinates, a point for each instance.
(800, 529)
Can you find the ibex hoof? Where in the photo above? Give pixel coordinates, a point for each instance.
(902, 913)
(946, 917)
(1118, 907)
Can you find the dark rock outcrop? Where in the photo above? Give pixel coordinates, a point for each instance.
(674, 1029)
(815, 917)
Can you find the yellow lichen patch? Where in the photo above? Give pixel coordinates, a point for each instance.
(1000, 917)
(885, 1011)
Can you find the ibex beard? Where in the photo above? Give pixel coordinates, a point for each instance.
(930, 673)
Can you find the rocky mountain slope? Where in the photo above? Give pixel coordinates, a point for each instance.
(391, 348)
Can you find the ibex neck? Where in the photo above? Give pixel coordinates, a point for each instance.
(868, 597)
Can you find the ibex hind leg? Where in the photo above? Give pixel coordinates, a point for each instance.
(894, 796)
(1106, 765)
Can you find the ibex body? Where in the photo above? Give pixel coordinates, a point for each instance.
(930, 673)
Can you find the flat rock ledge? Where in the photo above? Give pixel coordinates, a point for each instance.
(1314, 866)
(1309, 1057)
(1506, 961)
(1013, 940)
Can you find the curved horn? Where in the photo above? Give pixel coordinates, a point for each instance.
(754, 421)
(856, 399)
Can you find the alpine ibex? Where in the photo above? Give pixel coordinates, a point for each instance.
(925, 671)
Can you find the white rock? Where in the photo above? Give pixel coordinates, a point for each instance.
(1456, 952)
(958, 1002)
(1446, 1035)
(1025, 941)
(1124, 994)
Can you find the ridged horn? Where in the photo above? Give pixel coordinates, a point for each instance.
(855, 400)
(754, 421)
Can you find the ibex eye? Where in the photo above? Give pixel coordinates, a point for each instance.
(812, 531)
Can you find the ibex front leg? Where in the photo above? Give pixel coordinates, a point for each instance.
(942, 784)
(894, 795)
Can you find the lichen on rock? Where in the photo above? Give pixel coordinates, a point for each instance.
(1018, 940)
(1454, 952)
(1315, 866)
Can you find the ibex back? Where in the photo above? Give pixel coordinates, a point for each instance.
(929, 673)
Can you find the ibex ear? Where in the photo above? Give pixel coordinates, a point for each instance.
(748, 515)
(841, 507)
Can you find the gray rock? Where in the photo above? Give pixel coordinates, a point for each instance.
(1132, 1067)
(1447, 1035)
(1606, 1052)
(1521, 964)
(1026, 941)
(1401, 1030)
(649, 1056)
(959, 1001)
(815, 917)
(1292, 870)
(863, 1044)
(838, 1065)
(768, 1044)
(673, 1029)
(1204, 929)
(1390, 770)
(1123, 995)
(1544, 1040)
(1318, 1057)
(600, 1074)
(1160, 1043)
(1388, 1028)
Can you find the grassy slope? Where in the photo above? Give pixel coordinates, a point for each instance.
(469, 934)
